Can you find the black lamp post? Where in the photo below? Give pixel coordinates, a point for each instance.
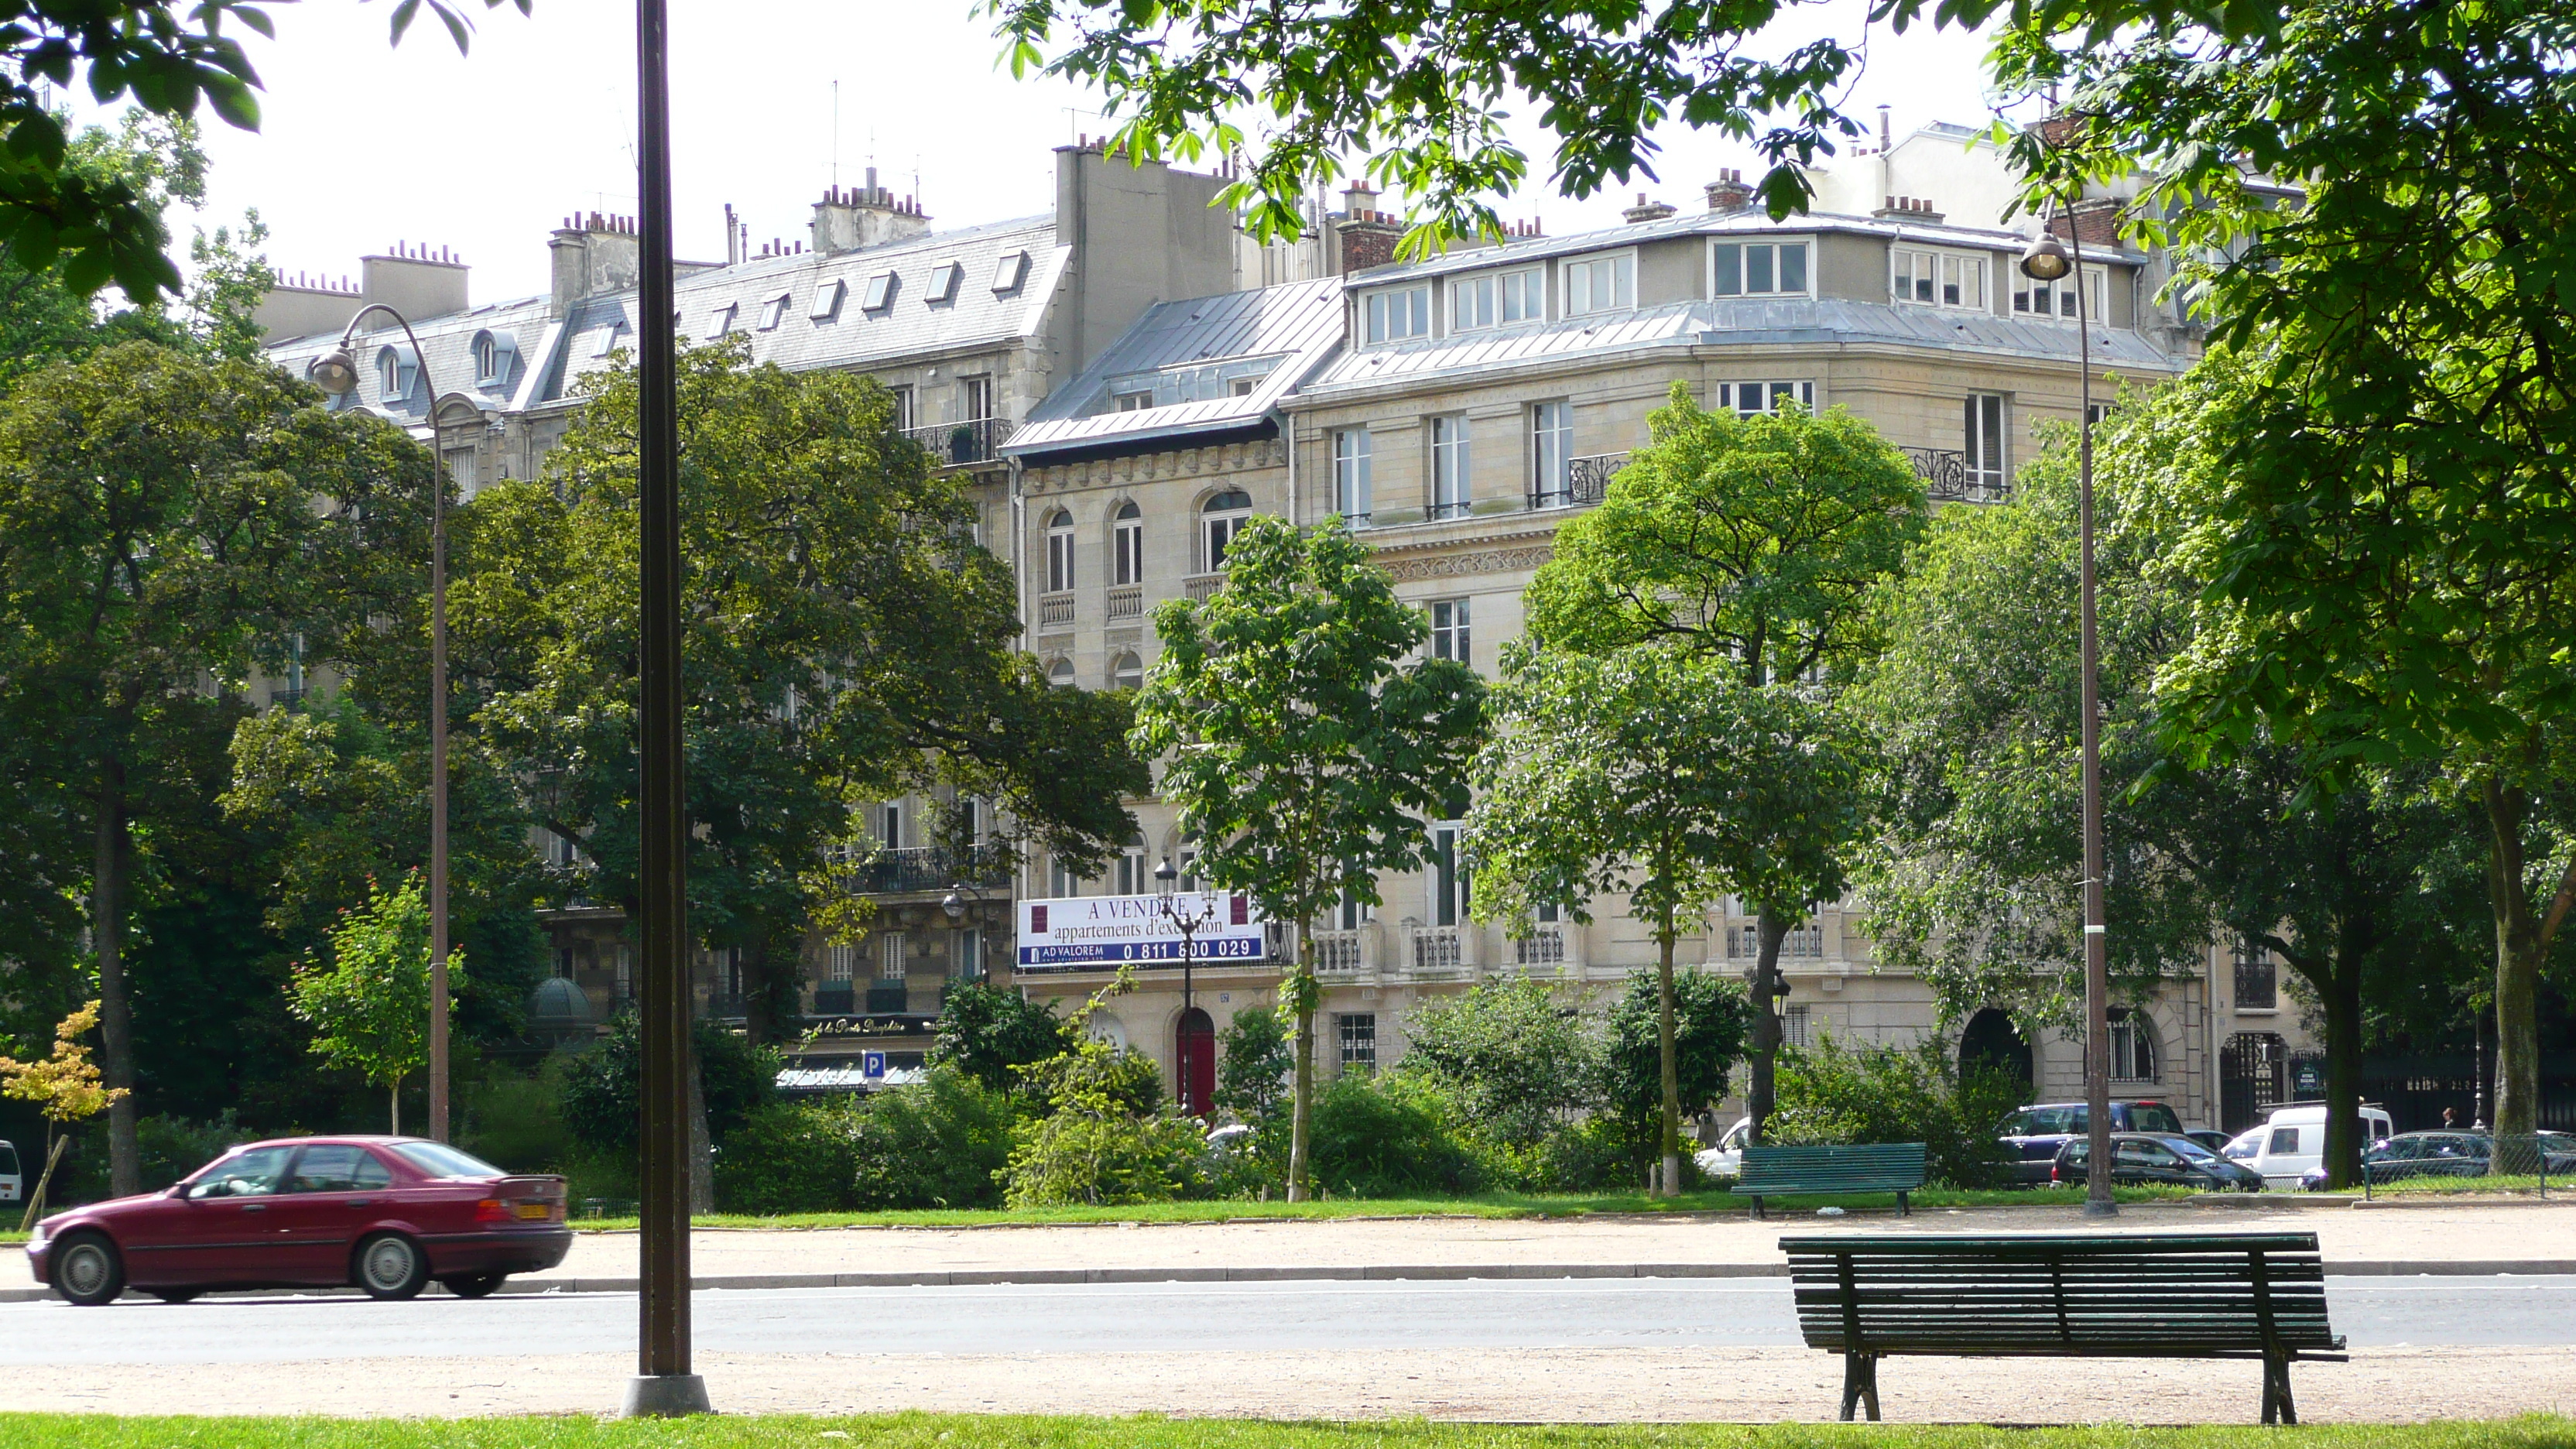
(964, 897)
(1189, 921)
(664, 1385)
(2046, 261)
(337, 374)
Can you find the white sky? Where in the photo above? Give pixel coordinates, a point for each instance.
(363, 145)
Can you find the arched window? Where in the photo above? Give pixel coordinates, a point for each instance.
(1060, 673)
(2133, 1046)
(1224, 516)
(1127, 673)
(1060, 552)
(1127, 546)
(389, 375)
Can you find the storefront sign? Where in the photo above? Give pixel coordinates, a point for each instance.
(1091, 933)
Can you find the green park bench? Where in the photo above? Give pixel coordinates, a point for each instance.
(1895, 1167)
(2035, 1295)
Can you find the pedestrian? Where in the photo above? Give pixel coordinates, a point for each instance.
(2450, 1119)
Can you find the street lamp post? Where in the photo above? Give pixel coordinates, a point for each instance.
(664, 1385)
(2046, 261)
(337, 374)
(956, 904)
(1189, 922)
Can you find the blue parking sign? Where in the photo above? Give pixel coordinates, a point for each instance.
(872, 1066)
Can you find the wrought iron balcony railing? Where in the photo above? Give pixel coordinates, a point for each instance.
(1586, 482)
(958, 445)
(1949, 477)
(928, 868)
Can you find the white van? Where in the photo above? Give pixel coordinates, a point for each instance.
(2294, 1140)
(11, 1189)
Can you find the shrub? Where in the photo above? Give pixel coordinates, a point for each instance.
(989, 1033)
(1510, 1056)
(1388, 1137)
(516, 1121)
(1709, 1014)
(1107, 1158)
(937, 1143)
(1829, 1093)
(1252, 1087)
(791, 1157)
(603, 1087)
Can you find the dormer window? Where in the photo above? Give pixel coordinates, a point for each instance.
(827, 300)
(774, 311)
(1498, 299)
(395, 369)
(880, 293)
(493, 354)
(1758, 269)
(1011, 270)
(1397, 314)
(609, 338)
(1601, 284)
(720, 322)
(943, 282)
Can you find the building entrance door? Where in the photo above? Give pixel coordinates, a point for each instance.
(2253, 1073)
(1992, 1041)
(1194, 1052)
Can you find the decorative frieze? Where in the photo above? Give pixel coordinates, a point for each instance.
(1456, 565)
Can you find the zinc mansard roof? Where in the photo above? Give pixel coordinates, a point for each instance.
(1207, 365)
(942, 292)
(1731, 322)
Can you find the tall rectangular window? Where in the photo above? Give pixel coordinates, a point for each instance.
(1796, 1027)
(2256, 987)
(1600, 284)
(890, 956)
(890, 825)
(1449, 631)
(2057, 299)
(1551, 455)
(1060, 553)
(975, 396)
(1127, 545)
(1132, 878)
(1449, 878)
(1062, 883)
(1985, 439)
(1352, 487)
(1397, 314)
(1357, 1031)
(1449, 486)
(902, 408)
(1758, 269)
(969, 946)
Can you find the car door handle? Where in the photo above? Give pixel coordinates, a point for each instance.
(362, 1202)
(254, 1207)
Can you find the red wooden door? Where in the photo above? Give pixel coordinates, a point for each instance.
(1194, 1040)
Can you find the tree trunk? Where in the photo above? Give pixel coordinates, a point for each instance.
(396, 1096)
(115, 1012)
(1671, 1069)
(1760, 1096)
(2342, 995)
(36, 1199)
(1301, 1112)
(2519, 949)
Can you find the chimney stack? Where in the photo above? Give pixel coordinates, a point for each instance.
(1728, 193)
(593, 255)
(418, 281)
(1646, 210)
(1910, 208)
(851, 217)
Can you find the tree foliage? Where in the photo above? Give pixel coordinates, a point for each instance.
(1710, 1021)
(844, 640)
(64, 1086)
(1833, 1093)
(1300, 744)
(602, 1098)
(1758, 539)
(990, 1033)
(1513, 1057)
(369, 1004)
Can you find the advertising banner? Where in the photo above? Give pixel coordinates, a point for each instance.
(1092, 933)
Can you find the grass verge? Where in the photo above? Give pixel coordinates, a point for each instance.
(1488, 1205)
(959, 1431)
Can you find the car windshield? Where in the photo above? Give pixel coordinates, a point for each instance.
(2191, 1151)
(440, 1160)
(8, 1159)
(2246, 1145)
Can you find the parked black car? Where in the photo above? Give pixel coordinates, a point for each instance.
(2215, 1141)
(2444, 1154)
(2034, 1133)
(2157, 1159)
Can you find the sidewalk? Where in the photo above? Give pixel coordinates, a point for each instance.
(2528, 1237)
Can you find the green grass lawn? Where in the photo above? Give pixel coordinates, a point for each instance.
(1487, 1205)
(958, 1431)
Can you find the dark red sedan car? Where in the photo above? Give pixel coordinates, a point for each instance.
(385, 1213)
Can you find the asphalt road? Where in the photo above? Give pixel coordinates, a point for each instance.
(1178, 1317)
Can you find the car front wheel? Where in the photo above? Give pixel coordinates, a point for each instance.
(391, 1267)
(87, 1269)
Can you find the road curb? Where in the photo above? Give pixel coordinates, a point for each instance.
(1390, 1273)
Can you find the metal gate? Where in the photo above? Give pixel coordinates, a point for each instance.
(2253, 1078)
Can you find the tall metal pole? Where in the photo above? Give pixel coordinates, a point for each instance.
(664, 1384)
(2097, 939)
(438, 985)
